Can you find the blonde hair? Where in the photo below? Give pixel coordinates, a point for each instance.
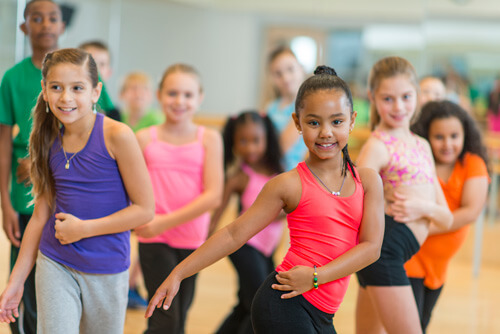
(387, 68)
(46, 127)
(139, 77)
(182, 68)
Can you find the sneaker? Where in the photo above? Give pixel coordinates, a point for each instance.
(135, 301)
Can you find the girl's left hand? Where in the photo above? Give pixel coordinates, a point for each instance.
(297, 280)
(68, 228)
(405, 210)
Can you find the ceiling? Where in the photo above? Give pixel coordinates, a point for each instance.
(363, 10)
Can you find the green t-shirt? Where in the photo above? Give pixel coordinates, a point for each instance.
(19, 91)
(152, 117)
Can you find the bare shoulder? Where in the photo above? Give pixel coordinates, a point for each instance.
(370, 179)
(211, 137)
(289, 187)
(373, 154)
(117, 135)
(143, 137)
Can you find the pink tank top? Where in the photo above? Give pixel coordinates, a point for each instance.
(323, 227)
(177, 176)
(408, 165)
(266, 240)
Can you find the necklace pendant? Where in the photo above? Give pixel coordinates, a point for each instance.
(336, 193)
(67, 165)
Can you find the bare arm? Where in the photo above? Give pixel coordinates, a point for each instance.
(10, 298)
(472, 203)
(10, 220)
(299, 279)
(210, 198)
(123, 146)
(266, 207)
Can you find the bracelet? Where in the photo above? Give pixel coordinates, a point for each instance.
(315, 278)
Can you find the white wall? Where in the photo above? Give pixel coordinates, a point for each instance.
(223, 46)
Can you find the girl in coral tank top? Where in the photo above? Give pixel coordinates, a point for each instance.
(334, 213)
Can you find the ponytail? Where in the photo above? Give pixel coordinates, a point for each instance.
(45, 130)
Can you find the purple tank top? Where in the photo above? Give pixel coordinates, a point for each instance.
(91, 188)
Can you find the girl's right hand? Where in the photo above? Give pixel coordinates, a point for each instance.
(9, 304)
(164, 294)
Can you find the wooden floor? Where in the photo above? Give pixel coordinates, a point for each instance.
(468, 305)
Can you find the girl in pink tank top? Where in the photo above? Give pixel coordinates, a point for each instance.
(334, 213)
(252, 157)
(184, 161)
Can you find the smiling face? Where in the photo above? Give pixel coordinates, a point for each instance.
(446, 136)
(286, 74)
(395, 101)
(431, 89)
(68, 91)
(325, 121)
(180, 96)
(43, 25)
(250, 142)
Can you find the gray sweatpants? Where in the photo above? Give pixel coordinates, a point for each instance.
(72, 302)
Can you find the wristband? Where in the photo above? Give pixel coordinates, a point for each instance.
(315, 278)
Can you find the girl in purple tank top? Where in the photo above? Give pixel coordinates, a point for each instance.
(184, 161)
(90, 187)
(334, 214)
(252, 157)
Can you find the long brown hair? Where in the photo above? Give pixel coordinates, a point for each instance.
(387, 68)
(46, 127)
(182, 68)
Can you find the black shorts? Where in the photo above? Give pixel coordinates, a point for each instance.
(271, 314)
(398, 246)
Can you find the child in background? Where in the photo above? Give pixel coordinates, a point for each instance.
(18, 92)
(461, 169)
(137, 95)
(431, 89)
(332, 233)
(414, 200)
(102, 57)
(90, 187)
(286, 75)
(184, 161)
(251, 142)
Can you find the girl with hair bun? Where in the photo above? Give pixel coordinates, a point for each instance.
(334, 213)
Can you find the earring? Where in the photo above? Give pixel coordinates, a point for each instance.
(300, 133)
(47, 108)
(94, 110)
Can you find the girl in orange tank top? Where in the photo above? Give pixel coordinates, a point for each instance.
(461, 168)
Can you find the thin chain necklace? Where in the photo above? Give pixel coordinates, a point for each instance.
(66, 166)
(334, 193)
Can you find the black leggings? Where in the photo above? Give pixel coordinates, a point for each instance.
(253, 267)
(157, 261)
(272, 315)
(426, 300)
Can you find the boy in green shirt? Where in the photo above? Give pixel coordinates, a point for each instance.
(19, 90)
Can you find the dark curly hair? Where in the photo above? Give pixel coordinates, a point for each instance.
(445, 109)
(272, 156)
